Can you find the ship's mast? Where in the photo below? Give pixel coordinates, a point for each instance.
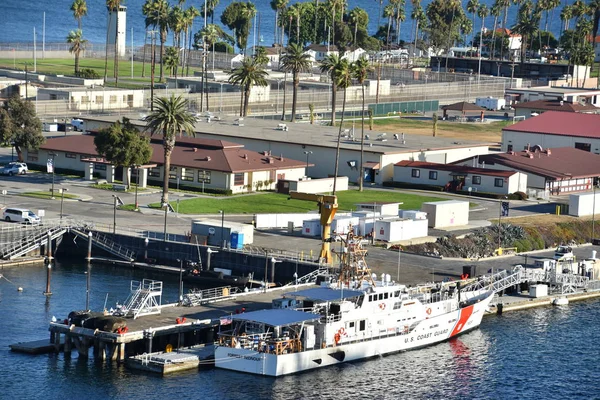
(353, 266)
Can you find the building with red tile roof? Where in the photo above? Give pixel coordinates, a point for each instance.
(533, 108)
(460, 177)
(554, 129)
(198, 162)
(551, 170)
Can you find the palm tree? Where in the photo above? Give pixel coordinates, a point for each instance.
(295, 11)
(113, 6)
(360, 71)
(169, 119)
(330, 65)
(278, 6)
(482, 12)
(343, 77)
(249, 74)
(157, 15)
(189, 15)
(212, 33)
(295, 60)
(210, 9)
(496, 11)
(78, 44)
(177, 26)
(388, 12)
(527, 25)
(595, 10)
(79, 8)
(400, 17)
(358, 17)
(172, 60)
(472, 7)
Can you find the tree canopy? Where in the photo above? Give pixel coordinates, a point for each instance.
(123, 145)
(20, 125)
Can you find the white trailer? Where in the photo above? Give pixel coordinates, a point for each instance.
(442, 214)
(490, 103)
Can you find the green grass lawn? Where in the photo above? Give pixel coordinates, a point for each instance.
(406, 123)
(48, 196)
(66, 66)
(279, 203)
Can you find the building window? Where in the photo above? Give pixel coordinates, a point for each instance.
(433, 175)
(32, 155)
(416, 173)
(99, 99)
(155, 172)
(85, 99)
(187, 174)
(70, 155)
(476, 180)
(204, 176)
(498, 182)
(509, 148)
(173, 173)
(238, 179)
(112, 99)
(100, 167)
(583, 146)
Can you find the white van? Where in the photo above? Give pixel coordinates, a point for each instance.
(21, 215)
(77, 124)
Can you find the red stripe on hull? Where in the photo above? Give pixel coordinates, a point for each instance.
(465, 314)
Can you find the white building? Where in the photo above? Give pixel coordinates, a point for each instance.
(460, 177)
(95, 98)
(554, 129)
(318, 52)
(566, 94)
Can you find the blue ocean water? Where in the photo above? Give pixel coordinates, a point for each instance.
(19, 17)
(548, 353)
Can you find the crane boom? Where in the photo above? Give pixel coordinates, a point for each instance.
(327, 207)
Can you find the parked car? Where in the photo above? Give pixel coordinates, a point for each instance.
(77, 124)
(563, 253)
(21, 215)
(15, 168)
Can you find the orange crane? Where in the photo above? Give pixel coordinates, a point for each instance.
(327, 207)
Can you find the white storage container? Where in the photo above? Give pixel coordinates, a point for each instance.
(393, 230)
(381, 208)
(582, 204)
(341, 225)
(444, 214)
(538, 291)
(414, 214)
(311, 227)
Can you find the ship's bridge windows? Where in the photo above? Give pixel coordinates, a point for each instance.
(351, 324)
(397, 305)
(362, 325)
(380, 296)
(360, 301)
(371, 297)
(385, 295)
(397, 293)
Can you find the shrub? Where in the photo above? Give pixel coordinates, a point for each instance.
(405, 185)
(521, 195)
(88, 73)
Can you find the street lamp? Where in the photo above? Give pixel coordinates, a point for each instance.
(308, 153)
(273, 262)
(114, 214)
(209, 251)
(62, 200)
(137, 173)
(53, 155)
(222, 226)
(180, 280)
(594, 183)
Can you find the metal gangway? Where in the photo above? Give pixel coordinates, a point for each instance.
(308, 278)
(198, 297)
(496, 282)
(144, 299)
(102, 241)
(19, 240)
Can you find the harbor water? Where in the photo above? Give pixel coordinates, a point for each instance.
(18, 18)
(548, 353)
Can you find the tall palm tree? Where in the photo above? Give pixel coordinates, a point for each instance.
(78, 44)
(169, 119)
(400, 17)
(189, 15)
(330, 65)
(210, 9)
(343, 77)
(172, 60)
(250, 73)
(295, 60)
(388, 12)
(157, 16)
(278, 6)
(482, 12)
(212, 34)
(496, 11)
(79, 8)
(472, 7)
(527, 25)
(177, 26)
(360, 71)
(113, 6)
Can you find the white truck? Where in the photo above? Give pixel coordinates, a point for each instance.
(77, 124)
(491, 103)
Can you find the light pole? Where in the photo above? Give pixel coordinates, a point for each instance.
(146, 241)
(221, 99)
(88, 272)
(266, 270)
(53, 155)
(114, 214)
(166, 205)
(273, 262)
(222, 225)
(308, 153)
(209, 251)
(137, 169)
(62, 200)
(277, 106)
(594, 183)
(180, 280)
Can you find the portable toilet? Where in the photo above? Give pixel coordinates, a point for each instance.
(237, 240)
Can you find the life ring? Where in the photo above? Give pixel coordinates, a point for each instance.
(382, 306)
(428, 311)
(342, 332)
(336, 338)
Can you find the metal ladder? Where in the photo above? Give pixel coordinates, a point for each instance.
(104, 242)
(32, 241)
(310, 277)
(144, 299)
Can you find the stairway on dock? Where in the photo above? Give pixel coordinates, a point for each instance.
(104, 242)
(31, 238)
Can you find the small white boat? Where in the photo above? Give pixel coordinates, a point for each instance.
(560, 301)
